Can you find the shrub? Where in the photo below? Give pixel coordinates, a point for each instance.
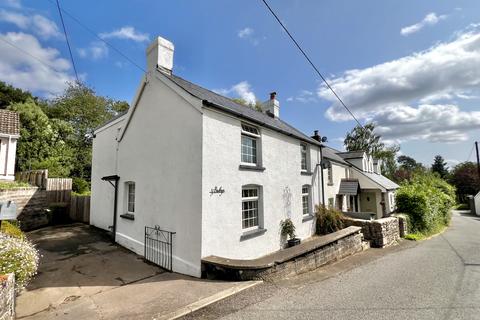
(80, 185)
(11, 229)
(6, 185)
(20, 257)
(328, 220)
(287, 228)
(427, 200)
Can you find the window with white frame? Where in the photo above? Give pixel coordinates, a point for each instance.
(250, 144)
(250, 207)
(130, 197)
(303, 152)
(306, 200)
(330, 174)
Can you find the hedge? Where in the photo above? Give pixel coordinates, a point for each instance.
(427, 200)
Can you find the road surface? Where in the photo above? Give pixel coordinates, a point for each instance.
(434, 279)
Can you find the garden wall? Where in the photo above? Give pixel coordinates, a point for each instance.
(7, 297)
(382, 232)
(31, 206)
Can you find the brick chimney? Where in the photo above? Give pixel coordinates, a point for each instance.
(160, 55)
(272, 106)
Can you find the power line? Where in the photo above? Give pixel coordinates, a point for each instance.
(471, 152)
(68, 42)
(310, 62)
(100, 38)
(29, 54)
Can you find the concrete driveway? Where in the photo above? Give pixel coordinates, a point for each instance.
(82, 275)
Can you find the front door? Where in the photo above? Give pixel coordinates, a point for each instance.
(368, 202)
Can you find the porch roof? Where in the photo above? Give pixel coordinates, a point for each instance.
(348, 187)
(382, 181)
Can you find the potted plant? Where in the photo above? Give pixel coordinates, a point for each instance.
(287, 228)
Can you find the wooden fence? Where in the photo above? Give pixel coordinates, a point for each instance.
(37, 178)
(80, 208)
(59, 190)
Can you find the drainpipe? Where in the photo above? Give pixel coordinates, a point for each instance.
(317, 137)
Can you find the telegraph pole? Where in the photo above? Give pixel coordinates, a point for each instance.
(478, 159)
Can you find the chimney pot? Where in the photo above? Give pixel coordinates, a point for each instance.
(273, 95)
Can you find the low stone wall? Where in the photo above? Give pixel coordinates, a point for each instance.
(402, 224)
(307, 260)
(382, 232)
(7, 297)
(31, 206)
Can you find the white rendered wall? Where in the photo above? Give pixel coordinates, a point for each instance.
(222, 215)
(104, 163)
(161, 152)
(477, 204)
(7, 161)
(331, 190)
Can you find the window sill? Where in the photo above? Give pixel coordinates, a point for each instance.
(127, 216)
(307, 217)
(306, 173)
(252, 234)
(251, 168)
(329, 183)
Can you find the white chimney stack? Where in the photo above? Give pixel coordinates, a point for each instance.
(160, 54)
(272, 106)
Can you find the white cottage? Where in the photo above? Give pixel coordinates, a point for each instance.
(220, 175)
(9, 134)
(217, 175)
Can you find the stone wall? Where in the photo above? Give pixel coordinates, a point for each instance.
(31, 206)
(307, 261)
(402, 224)
(7, 297)
(382, 232)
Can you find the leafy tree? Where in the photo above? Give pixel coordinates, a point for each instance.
(10, 95)
(255, 106)
(465, 178)
(407, 168)
(43, 143)
(440, 166)
(84, 110)
(366, 140)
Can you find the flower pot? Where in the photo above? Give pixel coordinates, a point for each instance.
(293, 242)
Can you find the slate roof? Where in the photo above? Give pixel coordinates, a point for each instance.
(332, 154)
(381, 180)
(9, 122)
(225, 104)
(351, 154)
(349, 187)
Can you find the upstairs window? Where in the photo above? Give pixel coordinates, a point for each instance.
(250, 144)
(131, 197)
(250, 201)
(306, 200)
(303, 152)
(330, 174)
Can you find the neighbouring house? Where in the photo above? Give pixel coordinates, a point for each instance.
(355, 183)
(220, 175)
(9, 134)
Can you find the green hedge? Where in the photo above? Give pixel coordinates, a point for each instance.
(427, 200)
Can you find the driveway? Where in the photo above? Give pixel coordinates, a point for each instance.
(435, 279)
(82, 275)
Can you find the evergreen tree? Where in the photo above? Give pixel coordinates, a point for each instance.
(440, 166)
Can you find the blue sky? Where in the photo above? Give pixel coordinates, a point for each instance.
(410, 66)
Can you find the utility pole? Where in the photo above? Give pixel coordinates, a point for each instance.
(478, 159)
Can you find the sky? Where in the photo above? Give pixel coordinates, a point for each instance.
(411, 67)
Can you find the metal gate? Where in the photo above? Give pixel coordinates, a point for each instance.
(158, 247)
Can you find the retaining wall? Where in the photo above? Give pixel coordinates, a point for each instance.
(7, 297)
(31, 206)
(382, 232)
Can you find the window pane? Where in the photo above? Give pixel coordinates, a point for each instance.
(249, 129)
(249, 149)
(131, 197)
(249, 214)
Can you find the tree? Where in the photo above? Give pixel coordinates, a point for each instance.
(440, 166)
(84, 110)
(255, 106)
(10, 95)
(43, 143)
(465, 178)
(365, 139)
(408, 167)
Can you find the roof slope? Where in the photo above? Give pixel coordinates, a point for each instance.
(351, 154)
(332, 154)
(220, 102)
(9, 122)
(381, 180)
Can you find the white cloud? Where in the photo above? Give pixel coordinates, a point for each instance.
(429, 20)
(24, 71)
(127, 33)
(97, 50)
(304, 96)
(12, 3)
(400, 89)
(249, 35)
(240, 90)
(38, 24)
